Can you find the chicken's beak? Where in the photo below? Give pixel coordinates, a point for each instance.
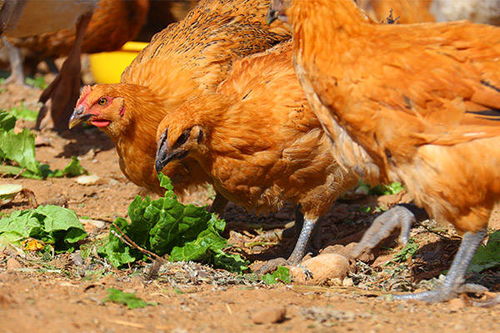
(164, 155)
(78, 116)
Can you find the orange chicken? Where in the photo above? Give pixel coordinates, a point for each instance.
(259, 143)
(186, 59)
(419, 104)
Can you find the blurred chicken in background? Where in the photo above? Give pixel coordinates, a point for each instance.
(400, 11)
(162, 13)
(113, 23)
(21, 18)
(417, 11)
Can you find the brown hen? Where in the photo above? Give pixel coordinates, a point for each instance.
(417, 103)
(186, 59)
(259, 142)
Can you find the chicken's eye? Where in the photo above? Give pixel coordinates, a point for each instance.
(102, 101)
(182, 138)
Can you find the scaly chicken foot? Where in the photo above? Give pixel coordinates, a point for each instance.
(401, 216)
(16, 64)
(300, 248)
(454, 282)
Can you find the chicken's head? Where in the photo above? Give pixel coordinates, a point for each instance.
(176, 143)
(100, 105)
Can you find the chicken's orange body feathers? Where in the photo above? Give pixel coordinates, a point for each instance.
(186, 59)
(264, 145)
(420, 100)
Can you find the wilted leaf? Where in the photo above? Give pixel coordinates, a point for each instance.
(33, 245)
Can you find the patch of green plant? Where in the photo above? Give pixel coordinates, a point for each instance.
(49, 224)
(22, 112)
(128, 299)
(393, 188)
(37, 82)
(17, 154)
(406, 253)
(487, 256)
(368, 209)
(166, 226)
(281, 274)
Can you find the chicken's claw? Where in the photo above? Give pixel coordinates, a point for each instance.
(401, 216)
(454, 282)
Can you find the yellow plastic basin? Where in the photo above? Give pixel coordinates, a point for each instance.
(107, 67)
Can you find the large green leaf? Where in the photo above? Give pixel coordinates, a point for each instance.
(20, 148)
(165, 226)
(18, 151)
(51, 224)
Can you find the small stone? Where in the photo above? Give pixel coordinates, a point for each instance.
(347, 282)
(77, 259)
(270, 315)
(13, 264)
(92, 226)
(87, 180)
(321, 269)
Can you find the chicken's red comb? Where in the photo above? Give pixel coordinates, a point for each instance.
(83, 94)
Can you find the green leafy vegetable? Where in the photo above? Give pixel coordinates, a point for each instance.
(51, 224)
(22, 112)
(37, 82)
(406, 253)
(17, 154)
(73, 169)
(166, 226)
(7, 121)
(128, 299)
(281, 274)
(393, 188)
(487, 256)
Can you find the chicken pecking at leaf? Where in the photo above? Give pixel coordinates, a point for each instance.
(186, 59)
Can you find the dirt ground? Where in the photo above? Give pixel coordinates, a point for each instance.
(65, 293)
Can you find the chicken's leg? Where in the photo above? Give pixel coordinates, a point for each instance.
(16, 63)
(402, 216)
(218, 205)
(300, 248)
(454, 282)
